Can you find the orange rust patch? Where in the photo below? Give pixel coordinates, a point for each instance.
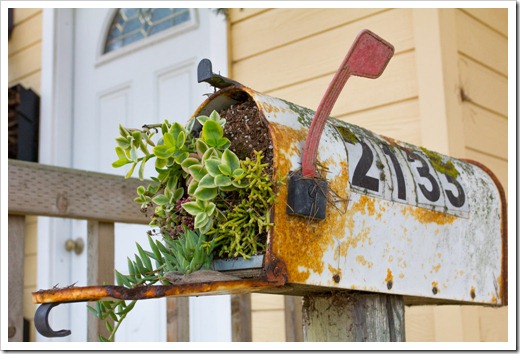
(269, 108)
(401, 275)
(363, 261)
(389, 276)
(366, 205)
(300, 242)
(472, 293)
(437, 267)
(425, 216)
(392, 141)
(436, 286)
(284, 139)
(333, 270)
(353, 240)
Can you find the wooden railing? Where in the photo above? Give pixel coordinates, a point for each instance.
(101, 199)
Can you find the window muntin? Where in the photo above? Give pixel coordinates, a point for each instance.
(132, 25)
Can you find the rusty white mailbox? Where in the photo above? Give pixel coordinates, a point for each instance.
(399, 219)
(404, 220)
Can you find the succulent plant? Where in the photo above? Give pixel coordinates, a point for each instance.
(204, 201)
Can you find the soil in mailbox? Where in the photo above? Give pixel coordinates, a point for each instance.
(247, 130)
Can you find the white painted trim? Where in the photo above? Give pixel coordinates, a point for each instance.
(55, 127)
(56, 87)
(102, 58)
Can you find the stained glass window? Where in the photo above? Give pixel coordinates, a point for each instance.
(131, 25)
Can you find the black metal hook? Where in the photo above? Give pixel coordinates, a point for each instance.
(41, 321)
(205, 73)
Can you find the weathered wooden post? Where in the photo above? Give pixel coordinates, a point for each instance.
(354, 317)
(16, 236)
(363, 225)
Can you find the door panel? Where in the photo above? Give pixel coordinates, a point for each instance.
(174, 80)
(113, 103)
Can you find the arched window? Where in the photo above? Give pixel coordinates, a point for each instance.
(132, 25)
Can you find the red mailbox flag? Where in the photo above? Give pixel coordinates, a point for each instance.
(367, 57)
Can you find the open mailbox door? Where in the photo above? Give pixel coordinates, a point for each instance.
(400, 220)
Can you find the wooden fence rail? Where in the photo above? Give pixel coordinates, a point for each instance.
(36, 189)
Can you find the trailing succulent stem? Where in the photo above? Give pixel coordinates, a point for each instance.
(203, 200)
(186, 254)
(249, 218)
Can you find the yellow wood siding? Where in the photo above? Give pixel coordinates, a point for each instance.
(272, 29)
(24, 49)
(293, 54)
(482, 54)
(24, 67)
(268, 318)
(318, 55)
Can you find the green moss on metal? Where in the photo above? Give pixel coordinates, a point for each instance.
(347, 135)
(446, 168)
(305, 115)
(381, 169)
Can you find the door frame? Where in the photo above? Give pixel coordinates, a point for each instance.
(56, 126)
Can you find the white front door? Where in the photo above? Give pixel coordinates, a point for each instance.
(147, 81)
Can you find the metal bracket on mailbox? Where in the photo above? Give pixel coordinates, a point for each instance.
(205, 74)
(367, 57)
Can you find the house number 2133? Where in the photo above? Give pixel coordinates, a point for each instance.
(402, 174)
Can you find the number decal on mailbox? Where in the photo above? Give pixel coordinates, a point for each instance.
(432, 192)
(360, 177)
(402, 174)
(401, 185)
(459, 200)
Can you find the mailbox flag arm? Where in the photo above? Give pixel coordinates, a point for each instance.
(367, 57)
